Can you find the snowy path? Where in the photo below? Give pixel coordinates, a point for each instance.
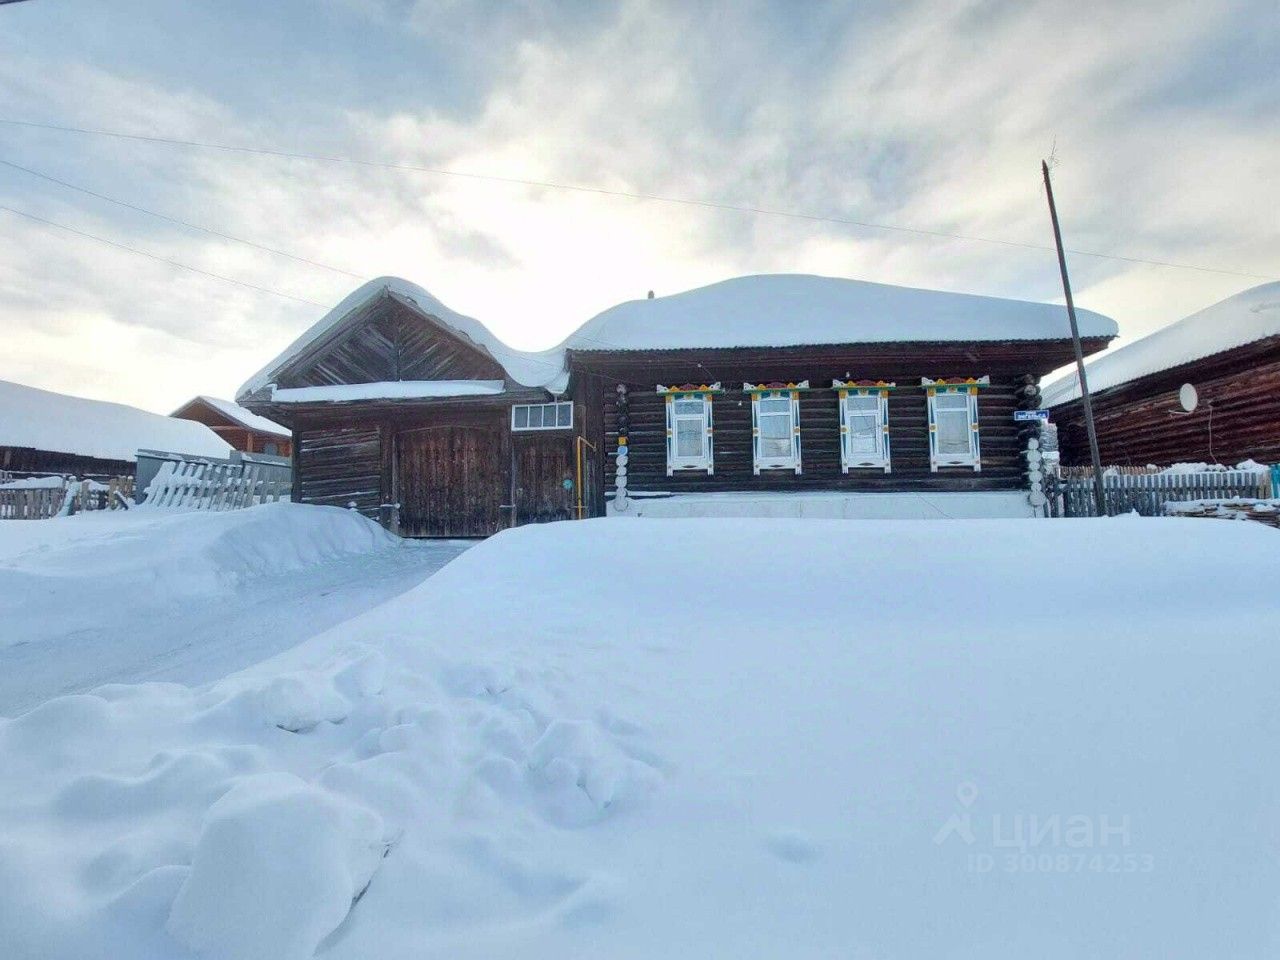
(204, 639)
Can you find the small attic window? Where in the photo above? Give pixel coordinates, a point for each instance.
(542, 416)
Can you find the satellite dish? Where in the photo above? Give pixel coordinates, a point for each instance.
(1188, 397)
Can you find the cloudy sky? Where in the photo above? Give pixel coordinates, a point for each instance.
(932, 116)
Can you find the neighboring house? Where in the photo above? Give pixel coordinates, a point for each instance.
(42, 432)
(1229, 353)
(244, 430)
(424, 419)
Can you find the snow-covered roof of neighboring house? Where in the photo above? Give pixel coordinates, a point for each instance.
(779, 310)
(238, 414)
(45, 420)
(786, 310)
(388, 390)
(1235, 322)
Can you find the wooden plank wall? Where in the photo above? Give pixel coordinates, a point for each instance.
(24, 460)
(1238, 417)
(1002, 463)
(340, 464)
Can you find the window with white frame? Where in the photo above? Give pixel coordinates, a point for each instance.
(953, 425)
(689, 432)
(542, 416)
(864, 429)
(775, 430)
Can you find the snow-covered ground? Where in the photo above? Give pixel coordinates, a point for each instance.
(713, 738)
(113, 597)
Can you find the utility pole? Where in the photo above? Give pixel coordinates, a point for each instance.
(1098, 492)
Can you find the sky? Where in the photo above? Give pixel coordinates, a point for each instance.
(1163, 119)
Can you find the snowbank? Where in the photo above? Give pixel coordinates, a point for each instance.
(1242, 319)
(44, 420)
(64, 574)
(633, 739)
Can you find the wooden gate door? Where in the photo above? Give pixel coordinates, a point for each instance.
(451, 481)
(545, 478)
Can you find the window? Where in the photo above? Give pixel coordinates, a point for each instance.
(775, 430)
(542, 416)
(953, 424)
(864, 429)
(689, 432)
(271, 448)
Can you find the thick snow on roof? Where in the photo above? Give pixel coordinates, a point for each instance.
(795, 310)
(1239, 320)
(388, 390)
(93, 428)
(758, 311)
(246, 418)
(530, 368)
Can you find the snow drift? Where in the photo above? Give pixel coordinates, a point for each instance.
(64, 574)
(628, 738)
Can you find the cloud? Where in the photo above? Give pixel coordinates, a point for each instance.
(933, 115)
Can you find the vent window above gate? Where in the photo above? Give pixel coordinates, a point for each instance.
(542, 416)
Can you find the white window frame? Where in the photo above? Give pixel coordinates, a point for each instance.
(557, 405)
(705, 461)
(969, 389)
(849, 459)
(792, 461)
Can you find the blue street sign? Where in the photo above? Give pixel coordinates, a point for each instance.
(1031, 414)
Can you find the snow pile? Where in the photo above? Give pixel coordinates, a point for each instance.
(1245, 466)
(66, 574)
(43, 420)
(739, 738)
(1239, 320)
(388, 390)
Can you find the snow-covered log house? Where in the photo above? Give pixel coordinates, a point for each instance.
(769, 388)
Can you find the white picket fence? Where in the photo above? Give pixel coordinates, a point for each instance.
(196, 485)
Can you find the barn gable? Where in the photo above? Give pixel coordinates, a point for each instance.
(388, 339)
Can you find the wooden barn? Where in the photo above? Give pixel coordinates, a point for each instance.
(1228, 353)
(243, 429)
(773, 385)
(47, 433)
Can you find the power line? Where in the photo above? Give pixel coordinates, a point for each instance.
(176, 220)
(622, 194)
(159, 259)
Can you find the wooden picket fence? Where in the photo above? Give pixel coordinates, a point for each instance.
(199, 485)
(1146, 491)
(69, 496)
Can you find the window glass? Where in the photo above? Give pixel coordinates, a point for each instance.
(864, 426)
(688, 406)
(689, 432)
(520, 417)
(565, 417)
(951, 411)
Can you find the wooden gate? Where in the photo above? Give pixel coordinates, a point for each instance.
(545, 478)
(451, 481)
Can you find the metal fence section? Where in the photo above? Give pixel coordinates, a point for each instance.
(216, 485)
(1128, 490)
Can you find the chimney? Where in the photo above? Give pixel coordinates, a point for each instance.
(650, 294)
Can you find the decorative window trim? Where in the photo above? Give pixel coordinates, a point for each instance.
(775, 391)
(969, 388)
(849, 460)
(706, 462)
(557, 406)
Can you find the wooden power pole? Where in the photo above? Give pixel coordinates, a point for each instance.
(1098, 491)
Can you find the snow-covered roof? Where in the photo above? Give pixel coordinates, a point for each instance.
(233, 411)
(44, 420)
(530, 368)
(777, 310)
(1239, 320)
(784, 310)
(388, 390)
